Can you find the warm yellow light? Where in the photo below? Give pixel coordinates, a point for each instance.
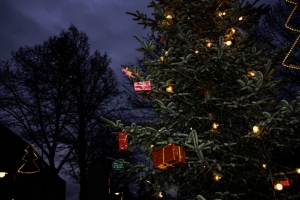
(196, 51)
(233, 30)
(151, 146)
(250, 74)
(224, 13)
(160, 195)
(298, 170)
(209, 44)
(117, 193)
(2, 174)
(217, 177)
(297, 39)
(228, 43)
(161, 58)
(166, 53)
(264, 166)
(256, 129)
(278, 186)
(169, 16)
(215, 126)
(169, 89)
(241, 18)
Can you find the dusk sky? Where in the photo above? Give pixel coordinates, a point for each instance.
(110, 30)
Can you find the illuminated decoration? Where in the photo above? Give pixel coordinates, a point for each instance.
(215, 126)
(151, 146)
(233, 30)
(298, 170)
(128, 72)
(168, 157)
(170, 89)
(217, 177)
(241, 18)
(208, 44)
(256, 129)
(228, 43)
(117, 166)
(29, 167)
(278, 186)
(196, 51)
(250, 74)
(160, 195)
(166, 53)
(222, 14)
(142, 86)
(161, 59)
(292, 29)
(2, 174)
(264, 166)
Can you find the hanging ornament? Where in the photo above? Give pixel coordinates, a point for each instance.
(117, 166)
(142, 86)
(292, 29)
(128, 72)
(29, 167)
(123, 141)
(168, 157)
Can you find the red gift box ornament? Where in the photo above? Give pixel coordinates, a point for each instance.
(123, 141)
(142, 86)
(169, 157)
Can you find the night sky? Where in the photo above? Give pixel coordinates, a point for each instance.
(110, 30)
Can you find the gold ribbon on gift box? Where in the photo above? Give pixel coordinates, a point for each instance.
(164, 165)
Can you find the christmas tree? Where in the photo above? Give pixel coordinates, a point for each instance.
(220, 133)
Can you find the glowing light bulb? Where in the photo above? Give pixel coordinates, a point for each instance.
(196, 51)
(256, 129)
(161, 58)
(215, 126)
(250, 74)
(233, 30)
(169, 89)
(209, 44)
(228, 43)
(240, 18)
(223, 13)
(217, 177)
(151, 146)
(160, 195)
(264, 166)
(2, 174)
(278, 186)
(169, 16)
(298, 170)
